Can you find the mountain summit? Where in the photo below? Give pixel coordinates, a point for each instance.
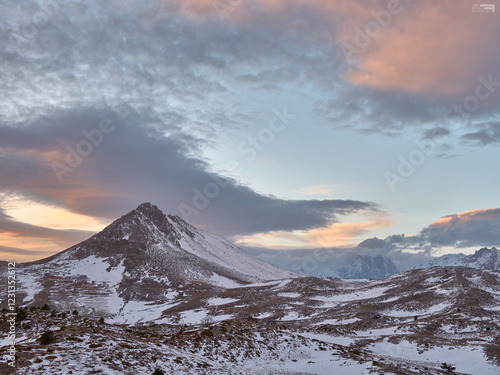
(142, 256)
(147, 240)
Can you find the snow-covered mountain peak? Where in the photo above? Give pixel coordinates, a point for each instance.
(485, 258)
(485, 252)
(146, 224)
(141, 257)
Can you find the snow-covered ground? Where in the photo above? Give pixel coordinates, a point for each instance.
(469, 360)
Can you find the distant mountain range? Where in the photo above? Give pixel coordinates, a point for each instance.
(483, 259)
(326, 264)
(346, 265)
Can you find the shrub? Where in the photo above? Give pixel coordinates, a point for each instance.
(21, 314)
(158, 372)
(101, 321)
(47, 338)
(448, 367)
(45, 307)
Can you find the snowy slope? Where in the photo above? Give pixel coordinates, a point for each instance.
(410, 323)
(223, 253)
(133, 268)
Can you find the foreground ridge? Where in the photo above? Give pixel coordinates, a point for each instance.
(152, 291)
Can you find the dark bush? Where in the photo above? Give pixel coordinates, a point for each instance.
(21, 314)
(448, 367)
(45, 307)
(48, 337)
(158, 372)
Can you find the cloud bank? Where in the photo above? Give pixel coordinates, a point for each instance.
(165, 81)
(52, 159)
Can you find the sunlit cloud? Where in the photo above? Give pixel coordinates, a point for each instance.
(404, 45)
(407, 55)
(182, 65)
(26, 249)
(39, 214)
(463, 217)
(341, 234)
(117, 176)
(466, 230)
(338, 234)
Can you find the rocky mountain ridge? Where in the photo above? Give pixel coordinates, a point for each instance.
(151, 291)
(484, 259)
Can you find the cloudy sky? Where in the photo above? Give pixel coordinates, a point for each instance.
(283, 124)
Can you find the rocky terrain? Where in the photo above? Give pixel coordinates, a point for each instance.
(151, 292)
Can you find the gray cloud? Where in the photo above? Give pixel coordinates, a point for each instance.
(477, 228)
(474, 228)
(137, 163)
(436, 133)
(489, 133)
(179, 78)
(152, 57)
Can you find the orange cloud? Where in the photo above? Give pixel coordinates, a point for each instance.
(429, 48)
(419, 46)
(25, 249)
(75, 188)
(338, 234)
(342, 233)
(463, 217)
(34, 213)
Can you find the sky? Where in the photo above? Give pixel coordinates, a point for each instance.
(278, 124)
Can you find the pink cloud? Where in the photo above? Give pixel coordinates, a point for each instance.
(337, 234)
(420, 46)
(341, 234)
(429, 47)
(464, 217)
